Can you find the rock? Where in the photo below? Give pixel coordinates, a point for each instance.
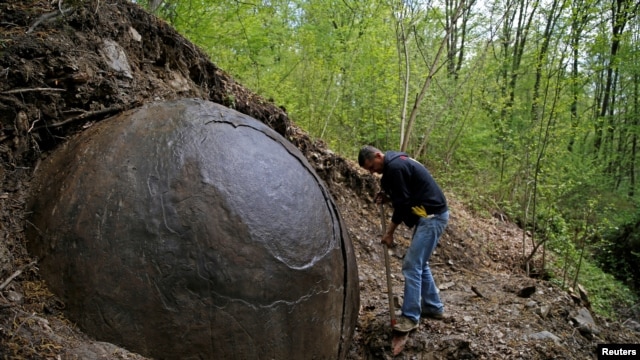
(457, 347)
(15, 296)
(116, 57)
(631, 324)
(543, 311)
(544, 335)
(584, 322)
(578, 299)
(185, 229)
(526, 291)
(135, 35)
(584, 296)
(446, 285)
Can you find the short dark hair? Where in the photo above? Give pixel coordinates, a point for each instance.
(366, 153)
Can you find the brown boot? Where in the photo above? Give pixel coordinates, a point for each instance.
(404, 325)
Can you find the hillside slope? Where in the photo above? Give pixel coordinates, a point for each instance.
(65, 67)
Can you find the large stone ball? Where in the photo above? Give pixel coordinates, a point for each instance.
(186, 230)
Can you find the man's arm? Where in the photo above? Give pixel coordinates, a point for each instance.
(399, 177)
(387, 237)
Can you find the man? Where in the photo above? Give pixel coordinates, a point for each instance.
(418, 202)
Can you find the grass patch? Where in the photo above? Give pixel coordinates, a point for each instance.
(609, 297)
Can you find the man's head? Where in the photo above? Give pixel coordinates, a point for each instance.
(371, 159)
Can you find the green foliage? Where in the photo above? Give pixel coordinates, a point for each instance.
(618, 252)
(513, 130)
(606, 294)
(552, 227)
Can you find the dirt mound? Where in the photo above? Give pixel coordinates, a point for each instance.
(66, 65)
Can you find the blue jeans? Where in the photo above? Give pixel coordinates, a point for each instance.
(418, 281)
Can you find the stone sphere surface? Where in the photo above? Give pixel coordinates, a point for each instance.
(186, 230)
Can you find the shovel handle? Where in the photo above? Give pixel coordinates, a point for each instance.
(387, 266)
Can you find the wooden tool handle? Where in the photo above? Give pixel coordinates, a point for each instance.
(387, 266)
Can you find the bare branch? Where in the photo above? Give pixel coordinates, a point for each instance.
(19, 91)
(16, 274)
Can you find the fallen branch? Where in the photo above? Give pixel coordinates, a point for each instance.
(16, 274)
(475, 290)
(91, 114)
(49, 17)
(19, 91)
(88, 115)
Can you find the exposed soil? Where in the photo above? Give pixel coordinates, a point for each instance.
(61, 71)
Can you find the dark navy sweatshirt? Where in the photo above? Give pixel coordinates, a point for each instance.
(408, 183)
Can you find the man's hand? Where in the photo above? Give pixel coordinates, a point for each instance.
(381, 198)
(387, 239)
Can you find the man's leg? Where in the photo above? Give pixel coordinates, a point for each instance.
(412, 268)
(432, 231)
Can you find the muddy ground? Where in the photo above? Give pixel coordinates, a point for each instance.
(66, 65)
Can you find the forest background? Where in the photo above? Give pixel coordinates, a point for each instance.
(526, 109)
